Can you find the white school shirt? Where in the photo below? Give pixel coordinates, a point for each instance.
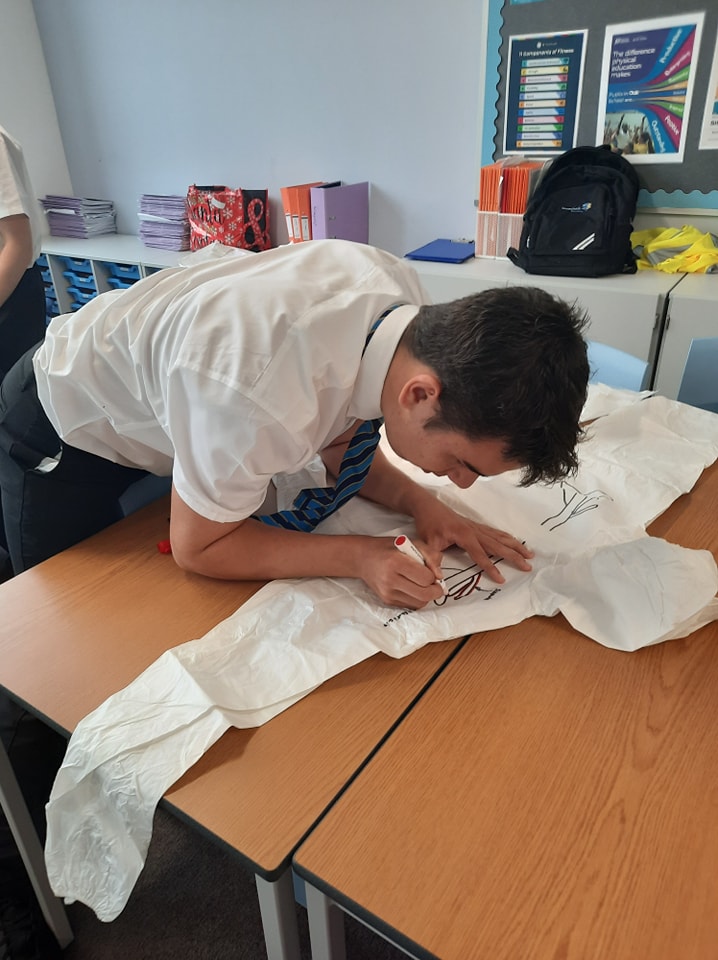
(227, 372)
(16, 193)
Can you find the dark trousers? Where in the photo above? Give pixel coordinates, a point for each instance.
(44, 513)
(22, 318)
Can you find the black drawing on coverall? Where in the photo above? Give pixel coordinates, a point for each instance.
(465, 581)
(574, 504)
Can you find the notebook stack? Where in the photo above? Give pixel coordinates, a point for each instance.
(164, 223)
(80, 217)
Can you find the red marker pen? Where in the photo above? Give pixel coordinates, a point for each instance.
(404, 545)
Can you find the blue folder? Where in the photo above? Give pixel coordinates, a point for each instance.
(445, 251)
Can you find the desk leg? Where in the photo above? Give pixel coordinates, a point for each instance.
(279, 916)
(326, 926)
(23, 830)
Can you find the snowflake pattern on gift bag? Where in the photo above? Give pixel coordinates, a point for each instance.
(233, 217)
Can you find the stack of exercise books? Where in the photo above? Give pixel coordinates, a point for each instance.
(164, 221)
(504, 191)
(81, 217)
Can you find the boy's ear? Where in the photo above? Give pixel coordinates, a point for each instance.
(420, 392)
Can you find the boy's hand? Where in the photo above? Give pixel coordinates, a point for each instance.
(398, 580)
(441, 527)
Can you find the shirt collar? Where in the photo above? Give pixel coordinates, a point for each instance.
(366, 398)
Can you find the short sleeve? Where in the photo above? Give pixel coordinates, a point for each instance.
(226, 448)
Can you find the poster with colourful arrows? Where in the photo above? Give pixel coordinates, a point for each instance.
(646, 87)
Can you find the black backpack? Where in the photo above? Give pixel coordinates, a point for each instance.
(578, 222)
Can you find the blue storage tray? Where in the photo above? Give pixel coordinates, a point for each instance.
(84, 281)
(76, 263)
(41, 261)
(46, 275)
(119, 284)
(128, 271)
(81, 296)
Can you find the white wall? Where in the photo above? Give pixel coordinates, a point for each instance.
(153, 95)
(27, 108)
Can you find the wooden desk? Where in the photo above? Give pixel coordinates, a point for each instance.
(84, 624)
(547, 798)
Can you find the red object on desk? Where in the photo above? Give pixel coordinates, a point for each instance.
(164, 546)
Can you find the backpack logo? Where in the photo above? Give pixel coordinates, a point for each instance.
(581, 208)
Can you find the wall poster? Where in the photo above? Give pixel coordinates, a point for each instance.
(543, 92)
(647, 81)
(709, 129)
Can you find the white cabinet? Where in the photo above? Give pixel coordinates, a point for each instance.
(449, 281)
(626, 311)
(692, 312)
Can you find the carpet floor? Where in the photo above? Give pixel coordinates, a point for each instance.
(195, 900)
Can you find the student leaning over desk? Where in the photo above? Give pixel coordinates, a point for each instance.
(233, 370)
(229, 372)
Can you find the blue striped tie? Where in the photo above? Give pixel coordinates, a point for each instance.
(314, 504)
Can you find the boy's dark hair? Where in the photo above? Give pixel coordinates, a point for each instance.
(512, 364)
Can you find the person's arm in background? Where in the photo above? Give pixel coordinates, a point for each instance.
(15, 252)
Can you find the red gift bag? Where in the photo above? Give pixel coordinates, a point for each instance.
(236, 218)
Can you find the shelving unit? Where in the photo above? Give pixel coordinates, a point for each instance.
(52, 308)
(75, 270)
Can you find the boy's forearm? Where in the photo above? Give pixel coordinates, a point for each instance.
(251, 550)
(255, 551)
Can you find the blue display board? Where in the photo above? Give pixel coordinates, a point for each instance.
(691, 183)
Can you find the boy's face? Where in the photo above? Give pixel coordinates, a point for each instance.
(409, 411)
(447, 453)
